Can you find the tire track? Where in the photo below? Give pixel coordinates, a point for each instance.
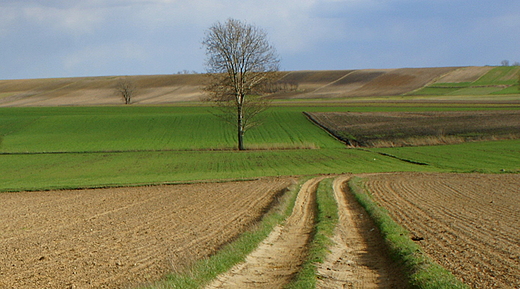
(281, 254)
(358, 258)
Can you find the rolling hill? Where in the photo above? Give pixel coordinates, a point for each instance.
(334, 84)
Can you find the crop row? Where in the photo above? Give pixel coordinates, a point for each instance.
(74, 130)
(499, 80)
(387, 129)
(79, 147)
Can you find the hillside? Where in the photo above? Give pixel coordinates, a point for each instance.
(337, 84)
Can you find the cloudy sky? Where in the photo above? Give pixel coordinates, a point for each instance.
(63, 38)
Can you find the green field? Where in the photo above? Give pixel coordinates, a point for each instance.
(500, 75)
(75, 147)
(499, 80)
(76, 129)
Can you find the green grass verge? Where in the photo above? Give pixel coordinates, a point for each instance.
(326, 221)
(200, 273)
(423, 272)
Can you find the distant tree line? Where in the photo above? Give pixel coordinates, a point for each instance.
(280, 86)
(506, 63)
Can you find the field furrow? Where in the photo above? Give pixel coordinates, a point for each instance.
(111, 238)
(468, 223)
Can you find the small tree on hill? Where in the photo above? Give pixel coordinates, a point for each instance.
(241, 63)
(126, 88)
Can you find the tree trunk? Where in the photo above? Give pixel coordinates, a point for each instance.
(240, 124)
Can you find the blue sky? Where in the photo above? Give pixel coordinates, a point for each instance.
(65, 38)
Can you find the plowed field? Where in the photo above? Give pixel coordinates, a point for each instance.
(112, 238)
(389, 129)
(468, 223)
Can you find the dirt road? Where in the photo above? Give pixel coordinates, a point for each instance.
(358, 260)
(280, 255)
(359, 257)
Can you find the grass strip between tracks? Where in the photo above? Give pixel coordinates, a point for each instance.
(200, 273)
(422, 271)
(326, 221)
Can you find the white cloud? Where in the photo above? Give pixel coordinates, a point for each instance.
(92, 37)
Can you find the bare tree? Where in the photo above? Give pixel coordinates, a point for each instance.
(240, 63)
(126, 88)
(505, 63)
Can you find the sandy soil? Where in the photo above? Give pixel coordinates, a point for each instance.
(113, 238)
(280, 255)
(469, 222)
(359, 258)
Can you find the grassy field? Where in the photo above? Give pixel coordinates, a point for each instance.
(45, 148)
(485, 157)
(76, 147)
(78, 129)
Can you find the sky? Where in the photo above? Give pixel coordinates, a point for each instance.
(69, 38)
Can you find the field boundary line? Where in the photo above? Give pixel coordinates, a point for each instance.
(332, 82)
(311, 119)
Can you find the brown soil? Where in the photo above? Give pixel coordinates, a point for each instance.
(343, 86)
(469, 222)
(152, 89)
(400, 81)
(166, 89)
(388, 129)
(113, 238)
(359, 257)
(280, 255)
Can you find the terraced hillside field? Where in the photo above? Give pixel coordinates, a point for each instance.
(468, 223)
(113, 238)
